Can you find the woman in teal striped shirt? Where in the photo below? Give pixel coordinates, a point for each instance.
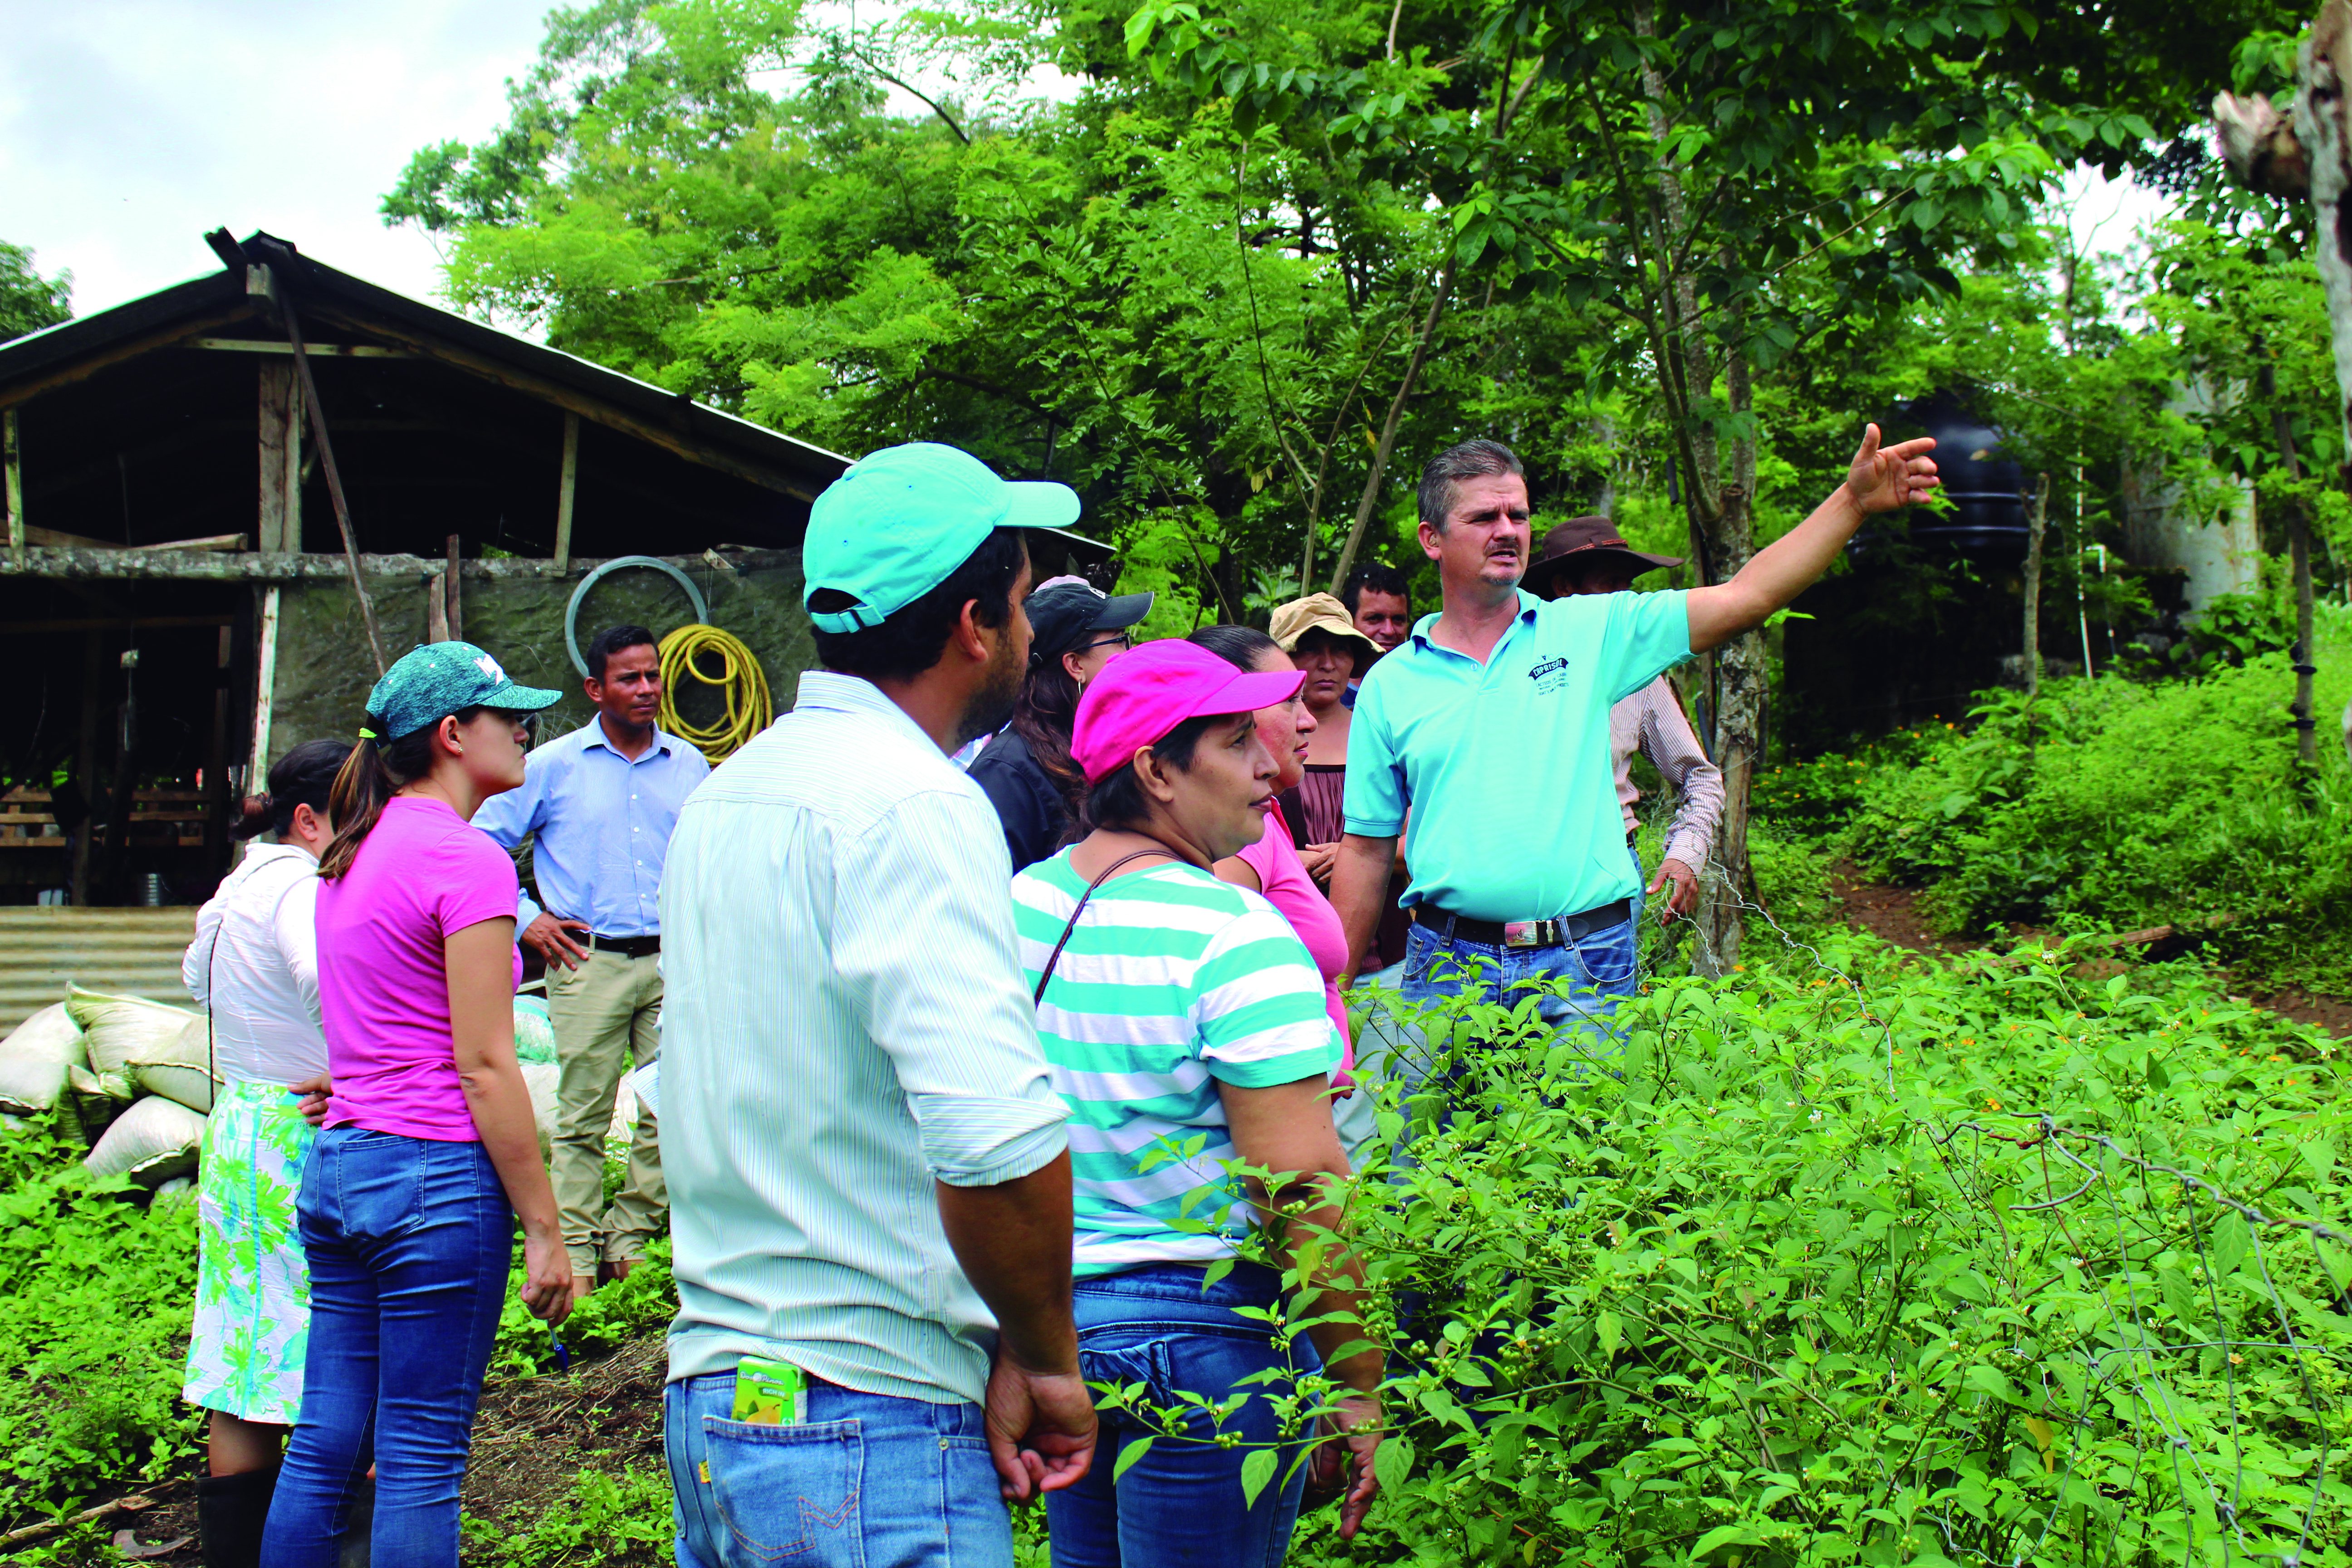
(1184, 1024)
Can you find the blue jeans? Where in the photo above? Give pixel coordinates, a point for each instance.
(1599, 970)
(409, 1241)
(1181, 1502)
(867, 1481)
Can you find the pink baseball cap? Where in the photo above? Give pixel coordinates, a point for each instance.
(1147, 691)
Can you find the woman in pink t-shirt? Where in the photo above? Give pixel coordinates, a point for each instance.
(428, 1153)
(1272, 865)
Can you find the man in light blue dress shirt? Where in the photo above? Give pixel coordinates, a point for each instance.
(599, 804)
(870, 1175)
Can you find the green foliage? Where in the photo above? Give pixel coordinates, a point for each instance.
(2117, 806)
(1811, 1281)
(98, 1286)
(615, 1314)
(29, 301)
(607, 1519)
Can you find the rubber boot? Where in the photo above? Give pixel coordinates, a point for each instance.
(230, 1512)
(357, 1526)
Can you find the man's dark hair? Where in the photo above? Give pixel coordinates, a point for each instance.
(1380, 578)
(611, 640)
(909, 642)
(1475, 459)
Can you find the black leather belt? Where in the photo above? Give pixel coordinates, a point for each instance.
(1565, 931)
(633, 946)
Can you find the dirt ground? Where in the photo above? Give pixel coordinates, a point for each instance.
(531, 1437)
(1893, 913)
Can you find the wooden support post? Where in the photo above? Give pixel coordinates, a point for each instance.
(276, 386)
(264, 688)
(293, 478)
(565, 491)
(14, 480)
(217, 763)
(450, 589)
(436, 609)
(334, 478)
(93, 670)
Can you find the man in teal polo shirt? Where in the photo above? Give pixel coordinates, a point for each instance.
(1489, 727)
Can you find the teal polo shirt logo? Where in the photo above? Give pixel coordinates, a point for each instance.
(1501, 774)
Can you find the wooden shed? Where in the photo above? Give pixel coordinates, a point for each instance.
(223, 499)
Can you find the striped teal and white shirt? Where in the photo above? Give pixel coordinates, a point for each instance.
(843, 1025)
(1172, 983)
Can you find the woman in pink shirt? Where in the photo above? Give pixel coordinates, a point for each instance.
(427, 1154)
(1272, 865)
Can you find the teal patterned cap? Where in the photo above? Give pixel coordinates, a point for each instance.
(435, 679)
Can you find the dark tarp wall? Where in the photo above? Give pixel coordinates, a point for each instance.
(324, 673)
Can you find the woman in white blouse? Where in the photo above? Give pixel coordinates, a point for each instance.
(254, 968)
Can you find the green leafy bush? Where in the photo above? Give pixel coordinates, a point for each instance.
(1812, 1281)
(607, 1519)
(2113, 804)
(97, 1290)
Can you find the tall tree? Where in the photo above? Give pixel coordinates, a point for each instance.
(29, 301)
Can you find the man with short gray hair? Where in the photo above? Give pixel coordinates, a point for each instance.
(1490, 725)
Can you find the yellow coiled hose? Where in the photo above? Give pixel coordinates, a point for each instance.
(748, 708)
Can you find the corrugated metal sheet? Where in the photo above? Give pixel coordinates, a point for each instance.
(133, 953)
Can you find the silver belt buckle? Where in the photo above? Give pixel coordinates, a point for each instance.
(1523, 933)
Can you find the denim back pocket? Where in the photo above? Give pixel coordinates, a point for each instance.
(362, 1185)
(789, 1493)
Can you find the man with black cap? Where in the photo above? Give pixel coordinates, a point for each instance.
(1586, 555)
(1026, 772)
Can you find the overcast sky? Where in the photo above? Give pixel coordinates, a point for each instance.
(128, 128)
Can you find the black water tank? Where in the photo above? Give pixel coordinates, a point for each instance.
(1987, 515)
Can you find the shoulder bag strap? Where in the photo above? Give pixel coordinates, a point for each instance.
(1055, 957)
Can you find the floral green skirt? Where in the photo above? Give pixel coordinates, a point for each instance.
(253, 1284)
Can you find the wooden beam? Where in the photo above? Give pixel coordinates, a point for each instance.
(292, 320)
(55, 540)
(12, 474)
(113, 623)
(318, 351)
(449, 581)
(83, 566)
(567, 488)
(580, 403)
(436, 610)
(277, 381)
(264, 688)
(17, 392)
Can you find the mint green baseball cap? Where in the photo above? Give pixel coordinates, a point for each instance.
(435, 679)
(899, 522)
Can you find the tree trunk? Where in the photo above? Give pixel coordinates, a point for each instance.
(2298, 535)
(1381, 453)
(2036, 517)
(2323, 76)
(1737, 746)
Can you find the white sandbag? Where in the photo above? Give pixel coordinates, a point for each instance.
(116, 1028)
(36, 1057)
(150, 1143)
(539, 1077)
(180, 1070)
(534, 1030)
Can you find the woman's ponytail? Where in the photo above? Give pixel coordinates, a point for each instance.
(361, 787)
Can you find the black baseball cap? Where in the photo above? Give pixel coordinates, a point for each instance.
(1064, 611)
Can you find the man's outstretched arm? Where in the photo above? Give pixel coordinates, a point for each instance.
(1881, 478)
(1359, 889)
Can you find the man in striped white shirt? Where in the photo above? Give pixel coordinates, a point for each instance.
(869, 1178)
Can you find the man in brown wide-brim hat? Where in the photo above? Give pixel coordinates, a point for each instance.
(1586, 555)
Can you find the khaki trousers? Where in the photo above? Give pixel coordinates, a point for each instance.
(605, 1012)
